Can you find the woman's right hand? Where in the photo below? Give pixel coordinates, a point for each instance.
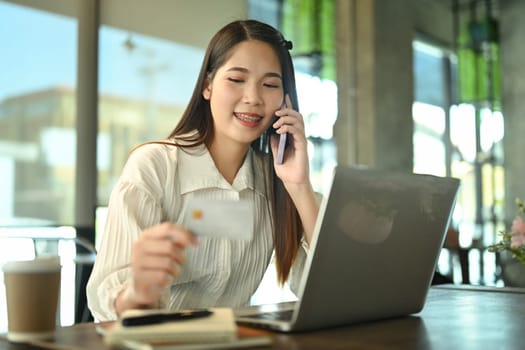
(156, 259)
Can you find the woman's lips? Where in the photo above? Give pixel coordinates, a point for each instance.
(248, 119)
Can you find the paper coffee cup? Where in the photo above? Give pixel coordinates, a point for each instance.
(32, 294)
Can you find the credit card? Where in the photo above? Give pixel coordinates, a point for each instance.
(220, 218)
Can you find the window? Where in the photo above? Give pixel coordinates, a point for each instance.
(37, 116)
(144, 85)
(464, 141)
(37, 137)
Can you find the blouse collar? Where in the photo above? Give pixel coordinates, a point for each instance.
(197, 171)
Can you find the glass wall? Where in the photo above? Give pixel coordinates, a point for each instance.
(145, 83)
(38, 66)
(37, 116)
(460, 140)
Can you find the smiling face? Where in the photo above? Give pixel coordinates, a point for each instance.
(245, 92)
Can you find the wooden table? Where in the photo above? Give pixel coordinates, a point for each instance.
(454, 317)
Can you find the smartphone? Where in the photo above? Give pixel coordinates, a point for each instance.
(280, 149)
(282, 143)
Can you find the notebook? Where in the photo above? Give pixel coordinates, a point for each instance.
(373, 254)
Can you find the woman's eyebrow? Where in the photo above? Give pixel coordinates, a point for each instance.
(246, 70)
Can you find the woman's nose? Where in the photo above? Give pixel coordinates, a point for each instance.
(252, 94)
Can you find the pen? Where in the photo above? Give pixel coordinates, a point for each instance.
(164, 317)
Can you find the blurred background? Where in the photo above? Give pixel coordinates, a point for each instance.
(424, 86)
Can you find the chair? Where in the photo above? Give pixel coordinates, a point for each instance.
(453, 246)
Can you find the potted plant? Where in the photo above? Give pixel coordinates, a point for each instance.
(512, 249)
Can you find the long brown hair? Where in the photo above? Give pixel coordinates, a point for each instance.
(287, 226)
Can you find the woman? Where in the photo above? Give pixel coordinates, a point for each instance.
(224, 148)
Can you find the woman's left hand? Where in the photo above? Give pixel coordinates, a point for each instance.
(295, 168)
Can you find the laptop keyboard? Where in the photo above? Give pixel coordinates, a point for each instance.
(283, 315)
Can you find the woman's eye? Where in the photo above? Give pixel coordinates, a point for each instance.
(235, 80)
(272, 86)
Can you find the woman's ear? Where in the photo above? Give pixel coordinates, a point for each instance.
(206, 92)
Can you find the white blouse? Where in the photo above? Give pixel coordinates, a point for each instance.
(154, 186)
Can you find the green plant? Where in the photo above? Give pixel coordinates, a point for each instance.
(513, 241)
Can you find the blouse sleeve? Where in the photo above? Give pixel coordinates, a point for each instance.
(133, 206)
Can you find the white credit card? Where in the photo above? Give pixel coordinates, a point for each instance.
(219, 218)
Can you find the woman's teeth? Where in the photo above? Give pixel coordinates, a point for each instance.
(248, 118)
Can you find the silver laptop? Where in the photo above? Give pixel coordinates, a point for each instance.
(374, 252)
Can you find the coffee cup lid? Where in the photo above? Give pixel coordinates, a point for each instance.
(39, 264)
